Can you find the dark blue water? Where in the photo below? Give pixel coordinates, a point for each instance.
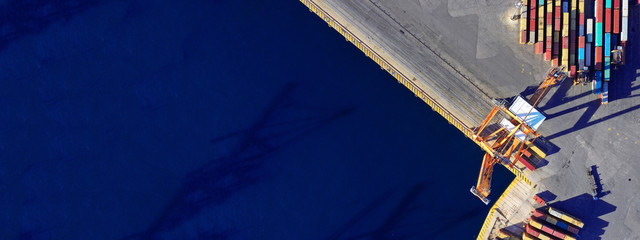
(216, 120)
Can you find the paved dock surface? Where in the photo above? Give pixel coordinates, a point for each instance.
(466, 53)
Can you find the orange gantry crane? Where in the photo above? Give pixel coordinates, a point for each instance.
(513, 134)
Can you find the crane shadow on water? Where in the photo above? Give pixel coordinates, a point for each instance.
(215, 181)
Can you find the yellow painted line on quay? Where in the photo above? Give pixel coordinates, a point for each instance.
(384, 64)
(493, 210)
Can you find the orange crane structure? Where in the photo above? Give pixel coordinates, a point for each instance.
(513, 134)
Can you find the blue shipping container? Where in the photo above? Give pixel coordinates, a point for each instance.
(581, 30)
(607, 44)
(588, 54)
(580, 53)
(596, 87)
(565, 6)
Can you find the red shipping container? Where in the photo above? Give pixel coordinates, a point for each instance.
(581, 19)
(572, 72)
(547, 229)
(556, 24)
(607, 22)
(558, 234)
(549, 17)
(616, 21)
(537, 213)
(532, 25)
(548, 43)
(558, 12)
(523, 37)
(539, 46)
(581, 42)
(599, 14)
(565, 42)
(526, 163)
(616, 3)
(547, 55)
(554, 61)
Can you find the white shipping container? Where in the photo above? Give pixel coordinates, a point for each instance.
(625, 8)
(590, 26)
(624, 29)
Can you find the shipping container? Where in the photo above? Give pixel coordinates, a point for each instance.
(526, 236)
(554, 61)
(590, 30)
(623, 29)
(587, 57)
(596, 89)
(581, 42)
(547, 54)
(531, 230)
(616, 3)
(540, 201)
(523, 37)
(539, 47)
(607, 3)
(605, 93)
(580, 53)
(607, 20)
(598, 34)
(572, 69)
(598, 58)
(616, 21)
(526, 163)
(598, 10)
(607, 44)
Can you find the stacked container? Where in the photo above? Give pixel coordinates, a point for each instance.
(581, 37)
(540, 41)
(598, 34)
(532, 22)
(566, 217)
(572, 38)
(565, 33)
(545, 228)
(548, 31)
(541, 215)
(523, 22)
(556, 32)
(589, 42)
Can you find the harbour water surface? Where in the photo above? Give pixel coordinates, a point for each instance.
(148, 119)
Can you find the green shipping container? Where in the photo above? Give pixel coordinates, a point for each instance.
(598, 34)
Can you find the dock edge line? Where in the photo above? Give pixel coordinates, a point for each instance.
(492, 211)
(404, 80)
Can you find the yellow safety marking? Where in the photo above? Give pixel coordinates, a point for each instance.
(492, 211)
(384, 64)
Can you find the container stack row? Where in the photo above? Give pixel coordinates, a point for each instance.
(579, 35)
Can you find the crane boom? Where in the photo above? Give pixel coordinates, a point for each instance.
(503, 143)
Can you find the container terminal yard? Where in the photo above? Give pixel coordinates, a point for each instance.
(547, 88)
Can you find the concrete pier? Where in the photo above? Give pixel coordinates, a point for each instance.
(457, 55)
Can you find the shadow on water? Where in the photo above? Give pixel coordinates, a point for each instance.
(391, 227)
(20, 18)
(360, 215)
(218, 179)
(588, 210)
(399, 212)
